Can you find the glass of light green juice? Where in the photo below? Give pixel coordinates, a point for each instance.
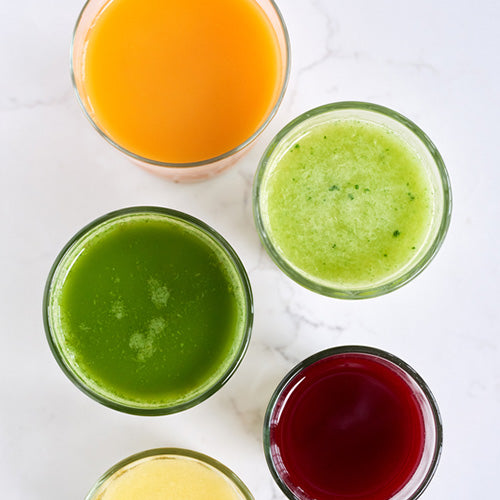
(352, 200)
(148, 310)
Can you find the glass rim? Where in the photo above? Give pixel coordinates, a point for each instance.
(237, 357)
(354, 349)
(199, 163)
(354, 292)
(177, 452)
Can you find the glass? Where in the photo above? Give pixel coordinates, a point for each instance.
(178, 172)
(172, 453)
(432, 426)
(55, 331)
(413, 137)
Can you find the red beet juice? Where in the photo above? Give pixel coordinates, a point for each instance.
(349, 426)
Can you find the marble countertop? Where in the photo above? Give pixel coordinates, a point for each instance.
(435, 62)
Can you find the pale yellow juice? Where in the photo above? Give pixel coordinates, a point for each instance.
(168, 477)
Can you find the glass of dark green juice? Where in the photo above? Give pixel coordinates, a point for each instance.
(352, 200)
(148, 310)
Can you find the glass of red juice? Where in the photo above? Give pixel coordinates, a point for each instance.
(352, 423)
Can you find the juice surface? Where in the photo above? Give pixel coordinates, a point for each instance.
(349, 204)
(350, 428)
(181, 81)
(172, 478)
(149, 312)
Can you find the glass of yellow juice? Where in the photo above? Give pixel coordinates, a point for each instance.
(182, 88)
(169, 473)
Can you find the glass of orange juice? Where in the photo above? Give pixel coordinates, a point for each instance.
(181, 87)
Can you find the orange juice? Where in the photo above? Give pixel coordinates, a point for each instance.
(180, 81)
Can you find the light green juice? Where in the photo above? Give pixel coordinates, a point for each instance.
(348, 203)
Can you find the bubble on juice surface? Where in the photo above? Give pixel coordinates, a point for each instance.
(118, 309)
(159, 293)
(144, 343)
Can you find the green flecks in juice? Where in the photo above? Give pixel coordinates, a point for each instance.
(363, 188)
(150, 311)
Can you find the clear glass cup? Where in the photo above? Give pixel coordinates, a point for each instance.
(241, 492)
(414, 137)
(64, 353)
(177, 172)
(421, 394)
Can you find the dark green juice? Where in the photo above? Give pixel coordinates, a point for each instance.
(149, 310)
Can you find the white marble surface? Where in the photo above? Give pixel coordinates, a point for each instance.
(436, 62)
